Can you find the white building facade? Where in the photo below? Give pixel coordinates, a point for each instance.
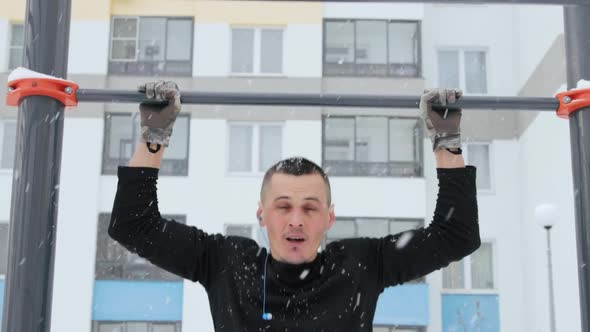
(382, 171)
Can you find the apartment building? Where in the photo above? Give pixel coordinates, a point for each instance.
(382, 171)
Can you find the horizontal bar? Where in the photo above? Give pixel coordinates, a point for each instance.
(509, 2)
(325, 100)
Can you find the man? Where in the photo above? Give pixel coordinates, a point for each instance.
(292, 287)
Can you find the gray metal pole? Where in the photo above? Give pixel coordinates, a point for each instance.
(577, 42)
(325, 100)
(28, 293)
(550, 271)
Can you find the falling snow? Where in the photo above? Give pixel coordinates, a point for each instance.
(376, 166)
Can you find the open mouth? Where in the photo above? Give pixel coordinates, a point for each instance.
(295, 239)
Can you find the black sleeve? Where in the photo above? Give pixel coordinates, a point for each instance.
(137, 225)
(452, 234)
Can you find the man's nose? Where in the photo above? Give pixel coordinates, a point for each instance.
(296, 220)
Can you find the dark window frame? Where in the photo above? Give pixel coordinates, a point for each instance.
(121, 268)
(418, 64)
(242, 225)
(354, 168)
(12, 46)
(4, 268)
(10, 161)
(96, 324)
(169, 167)
(355, 219)
(146, 67)
(396, 328)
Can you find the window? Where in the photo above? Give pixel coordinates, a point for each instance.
(239, 230)
(114, 262)
(253, 148)
(249, 231)
(257, 51)
(465, 69)
(151, 46)
(372, 146)
(122, 132)
(397, 329)
(473, 272)
(3, 248)
(111, 326)
(478, 155)
(346, 228)
(7, 143)
(372, 48)
(15, 49)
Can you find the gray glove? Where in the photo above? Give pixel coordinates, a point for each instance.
(442, 126)
(159, 113)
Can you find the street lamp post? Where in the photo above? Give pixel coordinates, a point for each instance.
(546, 216)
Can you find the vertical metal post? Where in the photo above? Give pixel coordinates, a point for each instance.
(27, 303)
(577, 42)
(550, 271)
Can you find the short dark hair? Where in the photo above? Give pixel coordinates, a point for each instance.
(296, 166)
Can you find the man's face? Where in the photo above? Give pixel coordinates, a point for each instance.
(295, 211)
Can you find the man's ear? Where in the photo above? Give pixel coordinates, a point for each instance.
(259, 215)
(332, 218)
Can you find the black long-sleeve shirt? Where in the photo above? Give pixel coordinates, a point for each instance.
(338, 291)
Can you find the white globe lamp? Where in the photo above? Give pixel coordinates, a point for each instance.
(546, 215)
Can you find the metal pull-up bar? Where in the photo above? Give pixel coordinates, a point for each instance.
(324, 100)
(24, 83)
(29, 83)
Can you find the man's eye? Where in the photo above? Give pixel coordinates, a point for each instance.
(283, 207)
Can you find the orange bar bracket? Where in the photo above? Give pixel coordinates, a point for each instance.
(571, 101)
(58, 89)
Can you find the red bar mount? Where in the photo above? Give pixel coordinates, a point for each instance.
(61, 90)
(571, 101)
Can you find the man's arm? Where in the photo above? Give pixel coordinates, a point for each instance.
(136, 222)
(445, 159)
(137, 225)
(142, 157)
(452, 234)
(454, 230)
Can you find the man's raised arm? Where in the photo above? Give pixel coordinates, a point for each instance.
(454, 230)
(136, 222)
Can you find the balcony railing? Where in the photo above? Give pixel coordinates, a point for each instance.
(378, 169)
